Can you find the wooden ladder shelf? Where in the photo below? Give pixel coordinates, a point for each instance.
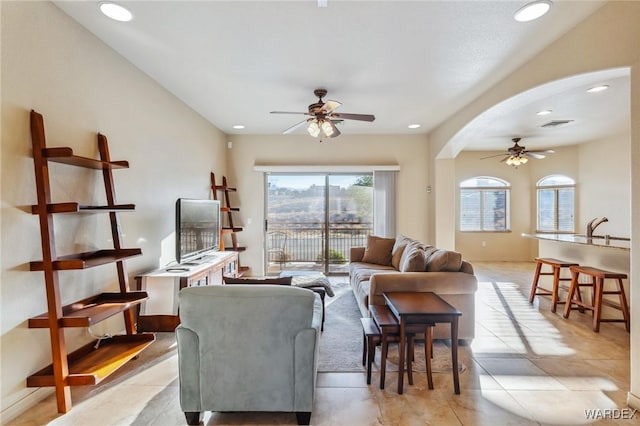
(93, 362)
(229, 228)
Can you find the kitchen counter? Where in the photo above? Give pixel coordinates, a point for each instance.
(612, 243)
(595, 252)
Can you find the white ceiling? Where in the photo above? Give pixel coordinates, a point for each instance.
(404, 61)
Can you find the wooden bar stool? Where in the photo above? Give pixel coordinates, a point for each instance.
(597, 283)
(556, 265)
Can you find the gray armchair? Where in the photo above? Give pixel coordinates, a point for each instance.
(248, 348)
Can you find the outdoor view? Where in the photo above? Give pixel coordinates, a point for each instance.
(313, 220)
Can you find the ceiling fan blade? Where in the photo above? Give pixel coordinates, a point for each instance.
(348, 116)
(493, 156)
(533, 155)
(294, 127)
(542, 151)
(331, 105)
(288, 112)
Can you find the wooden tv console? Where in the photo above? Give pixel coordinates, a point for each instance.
(160, 311)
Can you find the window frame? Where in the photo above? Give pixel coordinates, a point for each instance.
(556, 210)
(503, 185)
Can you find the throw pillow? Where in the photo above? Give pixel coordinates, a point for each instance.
(378, 250)
(398, 249)
(414, 261)
(444, 261)
(258, 280)
(408, 250)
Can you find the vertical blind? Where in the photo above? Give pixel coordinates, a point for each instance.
(384, 203)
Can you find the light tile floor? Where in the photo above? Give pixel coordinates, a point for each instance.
(527, 366)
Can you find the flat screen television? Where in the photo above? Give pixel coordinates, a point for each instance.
(197, 228)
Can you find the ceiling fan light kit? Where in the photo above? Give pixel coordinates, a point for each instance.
(516, 160)
(323, 117)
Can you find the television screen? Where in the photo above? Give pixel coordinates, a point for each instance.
(197, 228)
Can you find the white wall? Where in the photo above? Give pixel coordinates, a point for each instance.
(605, 185)
(53, 65)
(409, 152)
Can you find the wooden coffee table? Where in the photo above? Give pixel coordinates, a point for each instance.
(424, 309)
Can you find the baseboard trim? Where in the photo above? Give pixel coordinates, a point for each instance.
(25, 403)
(633, 401)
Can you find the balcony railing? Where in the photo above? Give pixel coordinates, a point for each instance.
(306, 242)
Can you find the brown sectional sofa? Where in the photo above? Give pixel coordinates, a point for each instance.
(405, 264)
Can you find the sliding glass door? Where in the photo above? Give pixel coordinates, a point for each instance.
(312, 220)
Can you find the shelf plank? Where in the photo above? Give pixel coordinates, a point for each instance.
(231, 230)
(225, 188)
(65, 155)
(89, 366)
(88, 259)
(229, 209)
(235, 249)
(78, 208)
(92, 310)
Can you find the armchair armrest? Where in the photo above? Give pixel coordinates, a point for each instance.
(188, 369)
(356, 254)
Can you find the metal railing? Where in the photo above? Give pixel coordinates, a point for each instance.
(306, 241)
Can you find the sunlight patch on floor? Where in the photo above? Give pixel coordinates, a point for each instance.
(504, 312)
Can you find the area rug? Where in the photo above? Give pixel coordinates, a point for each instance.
(341, 342)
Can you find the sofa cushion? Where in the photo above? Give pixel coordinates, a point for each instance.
(378, 250)
(414, 261)
(444, 261)
(408, 252)
(363, 271)
(397, 250)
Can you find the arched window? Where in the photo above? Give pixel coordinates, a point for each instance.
(555, 204)
(484, 204)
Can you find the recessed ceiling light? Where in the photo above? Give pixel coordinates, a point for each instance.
(544, 112)
(116, 12)
(414, 126)
(532, 11)
(238, 126)
(596, 89)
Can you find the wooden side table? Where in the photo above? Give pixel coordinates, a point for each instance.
(426, 309)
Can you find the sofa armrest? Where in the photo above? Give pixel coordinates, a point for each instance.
(437, 282)
(356, 254)
(466, 267)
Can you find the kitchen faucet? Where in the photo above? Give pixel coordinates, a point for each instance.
(592, 226)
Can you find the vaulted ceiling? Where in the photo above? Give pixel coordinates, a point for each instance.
(406, 62)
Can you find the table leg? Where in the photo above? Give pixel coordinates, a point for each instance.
(383, 358)
(410, 349)
(401, 349)
(454, 354)
(428, 354)
(371, 353)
